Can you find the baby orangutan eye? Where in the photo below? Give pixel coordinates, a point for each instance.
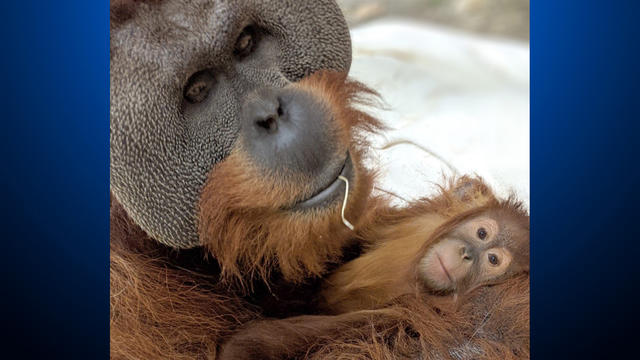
(482, 233)
(493, 259)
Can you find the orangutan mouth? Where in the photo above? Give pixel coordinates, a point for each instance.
(330, 193)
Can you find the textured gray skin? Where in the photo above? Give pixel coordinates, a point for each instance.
(162, 149)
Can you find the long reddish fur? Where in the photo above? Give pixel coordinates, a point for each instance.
(159, 310)
(494, 324)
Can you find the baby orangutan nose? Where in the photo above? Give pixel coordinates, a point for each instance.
(465, 253)
(288, 129)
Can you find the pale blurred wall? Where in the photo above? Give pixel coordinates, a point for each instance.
(505, 18)
(454, 75)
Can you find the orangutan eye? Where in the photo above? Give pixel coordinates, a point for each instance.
(482, 233)
(246, 42)
(493, 259)
(198, 87)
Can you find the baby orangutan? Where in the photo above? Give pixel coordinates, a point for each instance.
(435, 253)
(448, 245)
(490, 246)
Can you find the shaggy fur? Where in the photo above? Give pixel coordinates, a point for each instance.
(160, 309)
(492, 323)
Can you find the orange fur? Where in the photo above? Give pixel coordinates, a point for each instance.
(159, 309)
(493, 323)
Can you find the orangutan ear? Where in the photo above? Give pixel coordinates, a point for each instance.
(469, 188)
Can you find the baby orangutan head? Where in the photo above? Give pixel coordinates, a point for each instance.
(481, 247)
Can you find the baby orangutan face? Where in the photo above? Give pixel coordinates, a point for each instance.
(482, 250)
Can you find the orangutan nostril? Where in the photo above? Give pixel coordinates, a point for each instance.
(270, 124)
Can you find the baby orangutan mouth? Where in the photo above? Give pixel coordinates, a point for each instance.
(330, 193)
(444, 269)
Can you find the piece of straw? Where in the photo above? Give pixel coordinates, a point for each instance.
(344, 203)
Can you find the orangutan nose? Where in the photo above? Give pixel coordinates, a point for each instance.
(288, 128)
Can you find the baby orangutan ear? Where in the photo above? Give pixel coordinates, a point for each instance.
(467, 189)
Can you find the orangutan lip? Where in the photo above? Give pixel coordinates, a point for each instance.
(444, 268)
(335, 189)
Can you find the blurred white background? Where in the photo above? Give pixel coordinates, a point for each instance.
(454, 75)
